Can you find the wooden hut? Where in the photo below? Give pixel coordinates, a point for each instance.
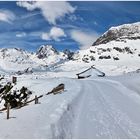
(89, 72)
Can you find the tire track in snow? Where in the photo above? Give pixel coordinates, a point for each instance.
(93, 121)
(114, 126)
(121, 113)
(100, 116)
(112, 116)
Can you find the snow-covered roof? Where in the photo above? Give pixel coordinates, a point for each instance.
(92, 71)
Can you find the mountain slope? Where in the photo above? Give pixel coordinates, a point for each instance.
(120, 33)
(114, 53)
(15, 59)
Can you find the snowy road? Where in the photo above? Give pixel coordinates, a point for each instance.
(107, 110)
(89, 108)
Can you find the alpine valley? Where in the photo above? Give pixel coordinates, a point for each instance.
(91, 93)
(117, 51)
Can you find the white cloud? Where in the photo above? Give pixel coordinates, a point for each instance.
(84, 39)
(45, 36)
(51, 10)
(55, 34)
(7, 16)
(22, 34)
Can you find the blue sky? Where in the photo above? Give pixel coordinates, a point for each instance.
(65, 25)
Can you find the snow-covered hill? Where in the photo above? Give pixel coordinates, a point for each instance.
(116, 51)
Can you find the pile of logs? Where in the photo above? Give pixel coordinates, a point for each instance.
(58, 89)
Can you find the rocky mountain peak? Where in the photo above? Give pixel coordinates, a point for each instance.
(69, 54)
(46, 50)
(120, 33)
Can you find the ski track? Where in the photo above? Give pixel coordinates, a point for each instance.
(103, 111)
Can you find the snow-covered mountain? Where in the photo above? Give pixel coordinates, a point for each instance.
(46, 51)
(117, 50)
(120, 33)
(49, 55)
(15, 59)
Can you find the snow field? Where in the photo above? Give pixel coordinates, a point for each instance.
(88, 108)
(50, 119)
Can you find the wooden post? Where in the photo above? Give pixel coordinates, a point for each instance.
(8, 110)
(14, 80)
(36, 100)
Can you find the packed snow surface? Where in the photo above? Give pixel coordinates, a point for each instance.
(88, 108)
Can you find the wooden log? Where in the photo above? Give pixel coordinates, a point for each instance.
(34, 99)
(49, 93)
(31, 101)
(57, 89)
(3, 109)
(56, 92)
